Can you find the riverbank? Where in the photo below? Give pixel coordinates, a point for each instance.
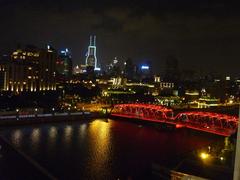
(47, 118)
(229, 110)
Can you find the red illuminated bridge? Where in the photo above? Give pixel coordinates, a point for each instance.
(215, 123)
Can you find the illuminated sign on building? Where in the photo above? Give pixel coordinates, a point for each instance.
(144, 67)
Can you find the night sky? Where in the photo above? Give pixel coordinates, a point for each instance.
(203, 35)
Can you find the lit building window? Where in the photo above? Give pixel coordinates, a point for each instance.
(36, 55)
(228, 78)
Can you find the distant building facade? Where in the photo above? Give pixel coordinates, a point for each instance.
(29, 69)
(129, 69)
(64, 63)
(4, 76)
(172, 73)
(144, 71)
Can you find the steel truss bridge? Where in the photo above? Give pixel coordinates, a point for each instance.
(215, 123)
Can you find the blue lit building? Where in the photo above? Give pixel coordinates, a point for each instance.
(145, 70)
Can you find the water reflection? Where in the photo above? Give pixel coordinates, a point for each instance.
(82, 131)
(52, 136)
(35, 138)
(107, 150)
(53, 132)
(68, 131)
(100, 146)
(16, 137)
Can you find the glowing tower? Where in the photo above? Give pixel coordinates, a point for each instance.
(91, 58)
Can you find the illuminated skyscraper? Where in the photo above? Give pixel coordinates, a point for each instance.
(91, 58)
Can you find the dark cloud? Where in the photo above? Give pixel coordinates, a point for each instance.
(203, 35)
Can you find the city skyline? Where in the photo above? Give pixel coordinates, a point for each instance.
(126, 89)
(202, 36)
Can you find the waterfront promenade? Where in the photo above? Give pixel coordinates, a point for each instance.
(45, 118)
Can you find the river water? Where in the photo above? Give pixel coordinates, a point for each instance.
(104, 148)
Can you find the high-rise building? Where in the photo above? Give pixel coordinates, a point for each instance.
(29, 69)
(129, 69)
(172, 73)
(91, 57)
(47, 69)
(145, 70)
(114, 69)
(64, 63)
(4, 69)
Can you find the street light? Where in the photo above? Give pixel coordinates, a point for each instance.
(204, 155)
(36, 111)
(17, 111)
(53, 109)
(69, 110)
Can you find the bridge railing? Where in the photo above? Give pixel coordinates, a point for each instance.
(206, 121)
(143, 110)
